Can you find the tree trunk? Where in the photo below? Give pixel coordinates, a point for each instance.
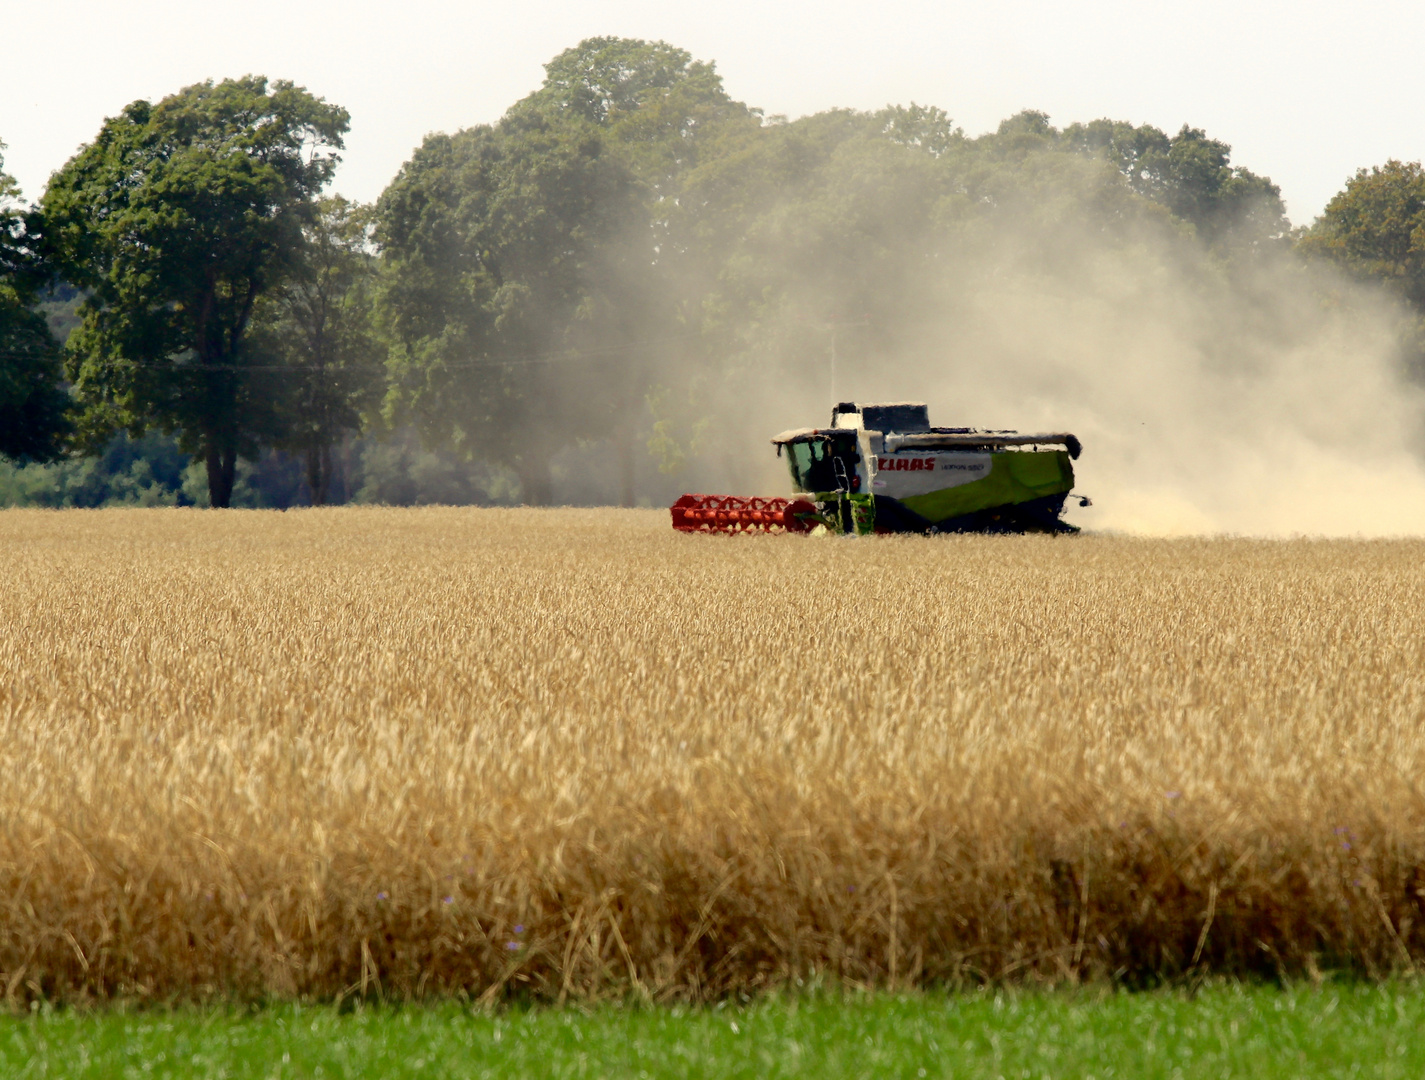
(536, 487)
(319, 473)
(222, 471)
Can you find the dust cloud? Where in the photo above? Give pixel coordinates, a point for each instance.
(1264, 400)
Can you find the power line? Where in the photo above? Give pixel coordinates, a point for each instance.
(563, 356)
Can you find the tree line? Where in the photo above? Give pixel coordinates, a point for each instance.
(625, 246)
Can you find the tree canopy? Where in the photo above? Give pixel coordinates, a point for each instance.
(1374, 229)
(317, 324)
(1192, 177)
(628, 255)
(529, 264)
(628, 236)
(33, 404)
(177, 219)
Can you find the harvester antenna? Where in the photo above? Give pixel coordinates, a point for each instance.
(835, 326)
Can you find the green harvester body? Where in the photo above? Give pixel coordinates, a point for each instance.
(882, 468)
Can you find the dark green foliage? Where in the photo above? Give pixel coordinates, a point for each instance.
(34, 406)
(1374, 229)
(494, 239)
(603, 78)
(627, 250)
(392, 469)
(1191, 176)
(150, 471)
(399, 471)
(177, 219)
(531, 267)
(317, 326)
(59, 304)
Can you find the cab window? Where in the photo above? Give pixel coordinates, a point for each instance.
(803, 456)
(813, 465)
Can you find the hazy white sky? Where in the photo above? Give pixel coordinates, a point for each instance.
(1305, 92)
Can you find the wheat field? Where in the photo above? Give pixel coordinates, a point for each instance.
(572, 755)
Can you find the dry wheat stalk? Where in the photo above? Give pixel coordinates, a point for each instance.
(571, 753)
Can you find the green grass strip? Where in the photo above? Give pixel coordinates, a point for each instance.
(1231, 1031)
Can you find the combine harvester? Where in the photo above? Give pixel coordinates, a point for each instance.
(883, 469)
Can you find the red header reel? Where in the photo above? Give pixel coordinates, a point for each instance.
(732, 513)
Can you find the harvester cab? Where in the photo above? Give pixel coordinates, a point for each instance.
(882, 468)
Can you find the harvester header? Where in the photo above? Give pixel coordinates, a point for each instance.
(881, 468)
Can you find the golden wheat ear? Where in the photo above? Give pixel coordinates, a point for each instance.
(575, 755)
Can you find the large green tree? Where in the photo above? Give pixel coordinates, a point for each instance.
(317, 326)
(33, 403)
(1193, 177)
(178, 218)
(495, 240)
(1374, 228)
(531, 266)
